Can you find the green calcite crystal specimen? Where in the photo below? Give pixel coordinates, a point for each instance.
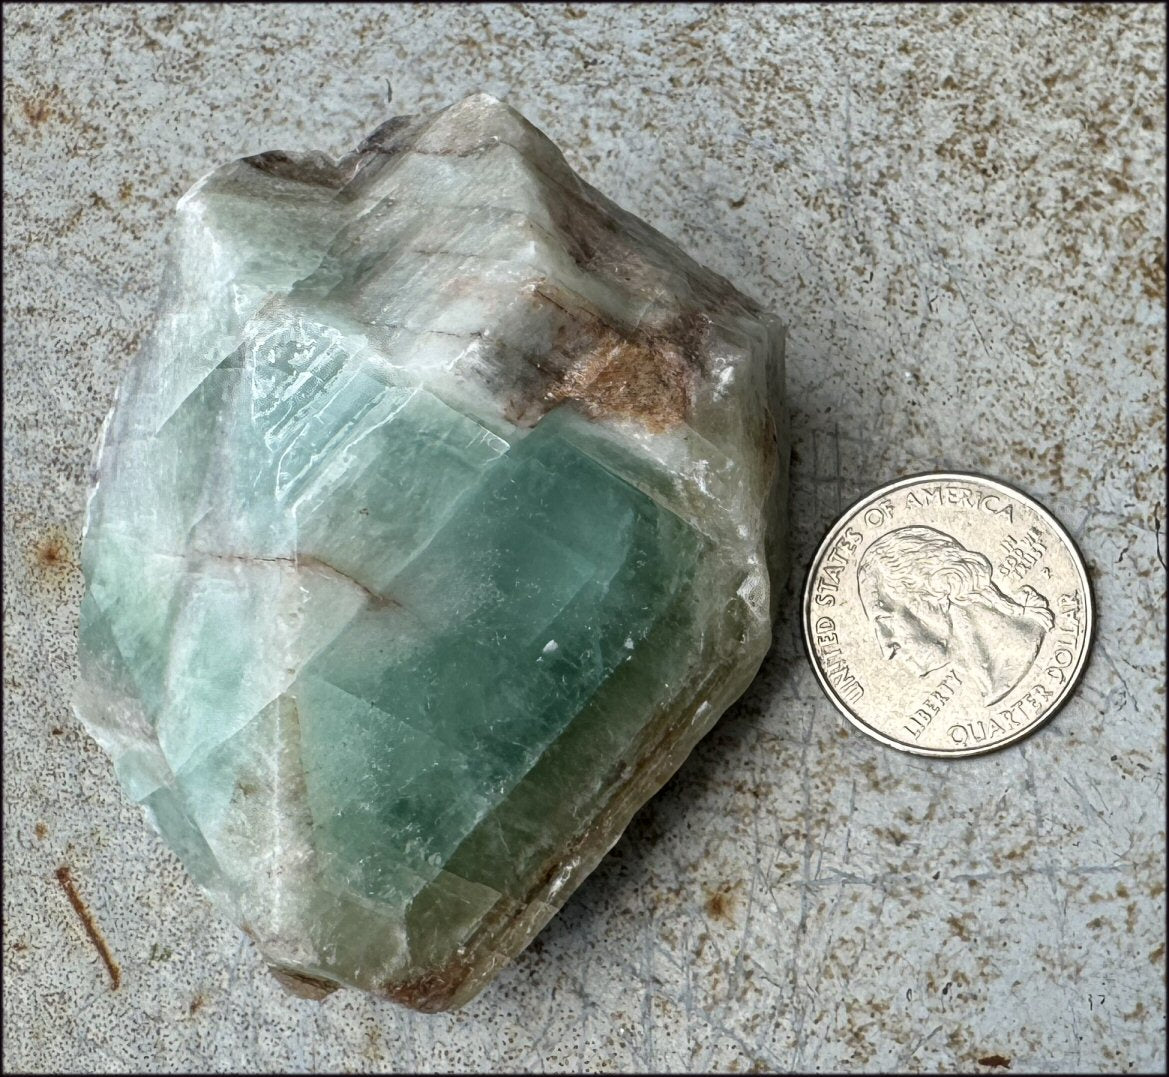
(438, 519)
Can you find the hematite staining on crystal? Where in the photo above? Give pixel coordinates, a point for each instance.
(441, 516)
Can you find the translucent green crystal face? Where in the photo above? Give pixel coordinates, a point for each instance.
(408, 584)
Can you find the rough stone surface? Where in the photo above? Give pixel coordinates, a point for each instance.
(959, 212)
(432, 527)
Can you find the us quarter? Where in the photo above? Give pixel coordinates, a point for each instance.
(948, 615)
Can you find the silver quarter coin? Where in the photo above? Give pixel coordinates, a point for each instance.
(948, 615)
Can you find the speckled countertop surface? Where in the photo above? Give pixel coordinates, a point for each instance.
(959, 211)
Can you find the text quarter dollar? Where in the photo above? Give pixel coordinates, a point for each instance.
(947, 615)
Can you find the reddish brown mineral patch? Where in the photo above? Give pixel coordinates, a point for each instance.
(647, 381)
(314, 169)
(301, 984)
(430, 993)
(645, 375)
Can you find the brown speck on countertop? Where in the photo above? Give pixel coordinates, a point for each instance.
(958, 927)
(721, 903)
(36, 112)
(51, 552)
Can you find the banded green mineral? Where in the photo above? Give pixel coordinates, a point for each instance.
(440, 516)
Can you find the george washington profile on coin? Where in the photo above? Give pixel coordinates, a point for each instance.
(932, 602)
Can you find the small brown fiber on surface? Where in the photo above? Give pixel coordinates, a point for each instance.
(65, 878)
